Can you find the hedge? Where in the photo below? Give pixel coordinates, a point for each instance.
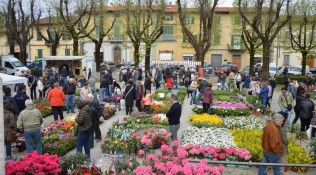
(40, 71)
(280, 79)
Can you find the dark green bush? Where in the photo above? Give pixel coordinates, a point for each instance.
(40, 71)
(280, 79)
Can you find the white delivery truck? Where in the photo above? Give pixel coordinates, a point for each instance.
(10, 64)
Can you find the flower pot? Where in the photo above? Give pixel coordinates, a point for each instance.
(295, 169)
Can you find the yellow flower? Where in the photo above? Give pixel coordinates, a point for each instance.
(205, 118)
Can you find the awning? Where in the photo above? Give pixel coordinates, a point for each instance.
(184, 63)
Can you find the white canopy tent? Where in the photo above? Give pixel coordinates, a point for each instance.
(8, 80)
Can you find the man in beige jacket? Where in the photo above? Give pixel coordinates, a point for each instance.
(30, 121)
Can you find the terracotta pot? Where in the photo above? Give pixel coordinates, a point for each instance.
(295, 169)
(286, 169)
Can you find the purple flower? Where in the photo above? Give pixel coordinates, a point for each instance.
(55, 144)
(47, 145)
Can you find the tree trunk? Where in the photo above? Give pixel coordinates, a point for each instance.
(97, 55)
(304, 56)
(252, 61)
(136, 54)
(265, 61)
(23, 53)
(12, 46)
(147, 57)
(200, 57)
(75, 47)
(54, 49)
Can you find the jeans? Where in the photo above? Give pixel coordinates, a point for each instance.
(170, 90)
(193, 97)
(41, 95)
(110, 91)
(70, 103)
(241, 86)
(33, 136)
(83, 140)
(231, 85)
(174, 131)
(91, 138)
(224, 85)
(264, 101)
(63, 81)
(102, 93)
(288, 121)
(200, 96)
(175, 84)
(305, 124)
(58, 110)
(8, 149)
(269, 158)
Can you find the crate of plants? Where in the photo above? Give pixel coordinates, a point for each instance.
(139, 115)
(108, 110)
(43, 106)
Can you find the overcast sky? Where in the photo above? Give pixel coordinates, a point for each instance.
(225, 3)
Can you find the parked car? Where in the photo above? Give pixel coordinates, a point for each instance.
(297, 70)
(313, 70)
(226, 68)
(208, 69)
(246, 70)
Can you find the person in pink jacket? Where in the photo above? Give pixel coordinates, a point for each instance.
(147, 102)
(169, 82)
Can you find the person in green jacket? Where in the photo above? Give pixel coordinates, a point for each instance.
(83, 119)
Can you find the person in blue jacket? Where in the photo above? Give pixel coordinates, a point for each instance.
(264, 92)
(247, 81)
(21, 97)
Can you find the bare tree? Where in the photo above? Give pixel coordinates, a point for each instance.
(103, 24)
(137, 22)
(264, 18)
(54, 32)
(75, 16)
(302, 28)
(151, 34)
(21, 18)
(199, 38)
(9, 18)
(2, 21)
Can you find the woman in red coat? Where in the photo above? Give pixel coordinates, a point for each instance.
(208, 97)
(169, 82)
(57, 98)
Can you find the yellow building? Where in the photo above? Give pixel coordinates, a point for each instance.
(172, 45)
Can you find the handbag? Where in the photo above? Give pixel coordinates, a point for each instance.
(11, 136)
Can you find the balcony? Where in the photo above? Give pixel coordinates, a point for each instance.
(235, 48)
(116, 37)
(167, 37)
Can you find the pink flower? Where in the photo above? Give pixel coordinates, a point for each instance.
(222, 156)
(151, 157)
(141, 152)
(175, 143)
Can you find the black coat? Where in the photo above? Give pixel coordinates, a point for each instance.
(147, 83)
(174, 114)
(306, 108)
(129, 95)
(298, 99)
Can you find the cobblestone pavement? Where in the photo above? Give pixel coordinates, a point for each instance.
(186, 111)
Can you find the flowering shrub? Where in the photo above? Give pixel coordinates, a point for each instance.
(33, 163)
(198, 119)
(297, 154)
(212, 136)
(57, 140)
(43, 106)
(86, 170)
(232, 112)
(243, 122)
(229, 105)
(69, 162)
(251, 140)
(198, 109)
(69, 123)
(153, 138)
(157, 107)
(174, 161)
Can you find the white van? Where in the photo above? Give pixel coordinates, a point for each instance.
(11, 64)
(297, 70)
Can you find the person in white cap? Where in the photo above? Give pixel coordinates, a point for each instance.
(30, 121)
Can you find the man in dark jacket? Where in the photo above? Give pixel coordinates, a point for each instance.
(96, 110)
(21, 97)
(129, 96)
(300, 96)
(8, 99)
(69, 90)
(84, 127)
(173, 116)
(306, 108)
(64, 74)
